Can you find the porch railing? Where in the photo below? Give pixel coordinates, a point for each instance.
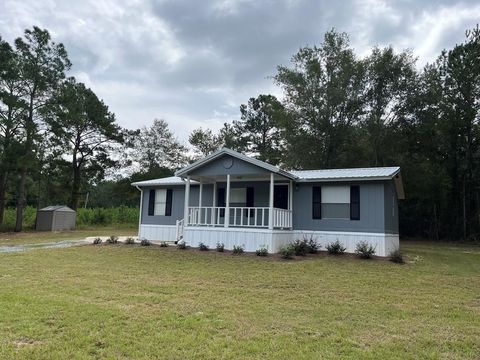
(179, 229)
(257, 217)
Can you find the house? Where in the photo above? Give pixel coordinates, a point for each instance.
(234, 199)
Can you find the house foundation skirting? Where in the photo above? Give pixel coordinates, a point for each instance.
(252, 239)
(157, 232)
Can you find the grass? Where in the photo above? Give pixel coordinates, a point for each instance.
(29, 237)
(126, 302)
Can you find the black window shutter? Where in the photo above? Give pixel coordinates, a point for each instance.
(250, 197)
(317, 202)
(354, 202)
(168, 205)
(151, 203)
(250, 200)
(221, 200)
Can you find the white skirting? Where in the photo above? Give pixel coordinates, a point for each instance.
(384, 243)
(252, 239)
(157, 232)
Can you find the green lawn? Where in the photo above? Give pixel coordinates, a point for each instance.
(30, 237)
(132, 302)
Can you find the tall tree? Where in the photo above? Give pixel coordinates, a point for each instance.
(157, 147)
(323, 92)
(390, 79)
(85, 128)
(205, 141)
(259, 127)
(11, 111)
(460, 70)
(42, 66)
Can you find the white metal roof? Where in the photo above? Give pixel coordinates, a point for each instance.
(373, 173)
(349, 174)
(172, 180)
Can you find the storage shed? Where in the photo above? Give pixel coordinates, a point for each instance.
(54, 218)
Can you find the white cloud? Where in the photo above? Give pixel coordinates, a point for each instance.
(194, 62)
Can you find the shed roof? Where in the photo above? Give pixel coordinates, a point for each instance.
(57, 208)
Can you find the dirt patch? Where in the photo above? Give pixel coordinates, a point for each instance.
(26, 342)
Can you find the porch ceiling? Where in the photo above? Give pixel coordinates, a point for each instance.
(237, 178)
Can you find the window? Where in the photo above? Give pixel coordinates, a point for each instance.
(160, 202)
(336, 202)
(238, 196)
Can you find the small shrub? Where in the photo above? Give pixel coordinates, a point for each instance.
(145, 242)
(202, 247)
(397, 257)
(112, 240)
(182, 245)
(262, 251)
(129, 241)
(97, 241)
(238, 250)
(163, 244)
(300, 247)
(287, 251)
(312, 244)
(336, 248)
(220, 247)
(364, 250)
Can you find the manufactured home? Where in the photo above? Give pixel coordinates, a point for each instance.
(230, 198)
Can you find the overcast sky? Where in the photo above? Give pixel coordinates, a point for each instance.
(194, 62)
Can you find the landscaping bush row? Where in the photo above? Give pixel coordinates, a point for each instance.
(363, 249)
(121, 215)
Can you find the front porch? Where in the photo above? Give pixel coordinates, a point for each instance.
(255, 217)
(236, 207)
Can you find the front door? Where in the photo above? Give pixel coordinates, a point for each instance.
(280, 197)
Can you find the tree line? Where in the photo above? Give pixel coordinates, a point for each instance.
(60, 142)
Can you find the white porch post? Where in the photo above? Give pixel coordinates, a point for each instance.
(227, 203)
(200, 193)
(141, 212)
(214, 203)
(270, 203)
(290, 203)
(187, 201)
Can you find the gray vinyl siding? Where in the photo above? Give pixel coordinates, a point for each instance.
(378, 206)
(371, 210)
(239, 168)
(261, 191)
(178, 198)
(391, 208)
